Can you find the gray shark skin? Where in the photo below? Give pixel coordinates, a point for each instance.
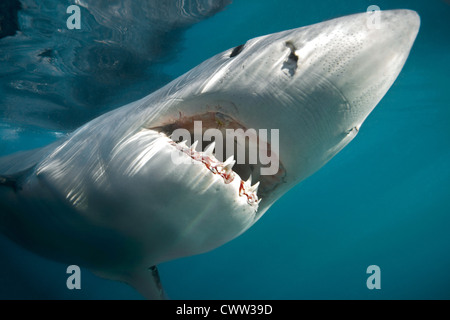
(109, 196)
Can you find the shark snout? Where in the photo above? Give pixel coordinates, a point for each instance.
(372, 50)
(392, 32)
(405, 23)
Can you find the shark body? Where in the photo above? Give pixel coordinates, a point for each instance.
(110, 196)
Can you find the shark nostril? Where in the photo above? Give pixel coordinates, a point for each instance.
(291, 63)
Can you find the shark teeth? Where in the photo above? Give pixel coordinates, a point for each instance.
(194, 145)
(248, 183)
(224, 169)
(250, 191)
(210, 149)
(229, 163)
(254, 188)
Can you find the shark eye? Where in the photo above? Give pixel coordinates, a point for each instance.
(237, 50)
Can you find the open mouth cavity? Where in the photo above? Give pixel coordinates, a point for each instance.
(211, 150)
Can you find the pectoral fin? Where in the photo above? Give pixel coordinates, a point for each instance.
(148, 283)
(14, 181)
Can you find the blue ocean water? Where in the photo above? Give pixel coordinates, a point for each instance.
(384, 200)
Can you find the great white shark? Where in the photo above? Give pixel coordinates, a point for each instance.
(110, 196)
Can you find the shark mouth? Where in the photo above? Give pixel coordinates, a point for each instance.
(202, 151)
(223, 169)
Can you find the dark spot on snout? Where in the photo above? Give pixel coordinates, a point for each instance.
(291, 63)
(236, 51)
